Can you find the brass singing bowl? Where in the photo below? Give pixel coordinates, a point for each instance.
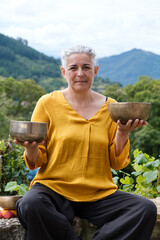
(28, 131)
(9, 202)
(125, 111)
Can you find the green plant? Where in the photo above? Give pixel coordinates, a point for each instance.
(12, 164)
(145, 179)
(14, 187)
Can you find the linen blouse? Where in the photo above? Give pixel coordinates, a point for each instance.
(78, 154)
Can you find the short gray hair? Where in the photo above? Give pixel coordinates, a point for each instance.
(78, 49)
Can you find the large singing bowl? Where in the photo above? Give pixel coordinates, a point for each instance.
(125, 111)
(9, 202)
(28, 131)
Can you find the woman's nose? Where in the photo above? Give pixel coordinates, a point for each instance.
(80, 72)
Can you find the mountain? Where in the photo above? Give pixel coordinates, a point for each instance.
(128, 66)
(17, 58)
(20, 61)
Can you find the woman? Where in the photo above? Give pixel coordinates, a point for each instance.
(75, 162)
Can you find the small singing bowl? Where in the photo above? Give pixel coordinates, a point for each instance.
(28, 131)
(125, 111)
(9, 202)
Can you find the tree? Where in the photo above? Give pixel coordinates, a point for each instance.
(145, 89)
(17, 101)
(147, 138)
(116, 92)
(4, 119)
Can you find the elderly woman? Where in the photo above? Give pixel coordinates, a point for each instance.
(75, 161)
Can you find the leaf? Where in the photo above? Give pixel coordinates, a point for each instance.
(113, 171)
(136, 153)
(136, 173)
(22, 190)
(158, 188)
(137, 167)
(140, 159)
(150, 176)
(11, 186)
(157, 163)
(25, 187)
(127, 180)
(115, 180)
(149, 165)
(140, 179)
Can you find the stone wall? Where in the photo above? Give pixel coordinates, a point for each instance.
(11, 229)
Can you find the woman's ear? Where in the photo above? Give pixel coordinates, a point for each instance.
(63, 71)
(96, 70)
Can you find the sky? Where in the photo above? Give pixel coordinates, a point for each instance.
(109, 26)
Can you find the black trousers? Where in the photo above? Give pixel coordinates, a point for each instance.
(47, 215)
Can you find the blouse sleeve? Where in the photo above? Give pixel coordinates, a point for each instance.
(121, 161)
(39, 115)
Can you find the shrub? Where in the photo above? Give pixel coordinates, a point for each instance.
(144, 179)
(12, 165)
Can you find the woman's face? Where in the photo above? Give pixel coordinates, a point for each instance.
(79, 72)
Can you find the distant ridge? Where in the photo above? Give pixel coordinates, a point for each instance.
(20, 61)
(126, 67)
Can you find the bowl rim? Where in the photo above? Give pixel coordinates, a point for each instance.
(11, 196)
(130, 103)
(27, 122)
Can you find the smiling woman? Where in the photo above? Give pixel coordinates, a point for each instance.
(74, 178)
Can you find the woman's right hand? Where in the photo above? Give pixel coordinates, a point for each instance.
(31, 150)
(28, 145)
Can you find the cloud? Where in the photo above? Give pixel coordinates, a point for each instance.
(108, 26)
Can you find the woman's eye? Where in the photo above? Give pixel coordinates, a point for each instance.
(72, 68)
(86, 67)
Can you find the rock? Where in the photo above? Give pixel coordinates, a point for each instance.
(11, 229)
(83, 228)
(157, 202)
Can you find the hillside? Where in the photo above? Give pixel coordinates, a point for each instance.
(128, 66)
(20, 61)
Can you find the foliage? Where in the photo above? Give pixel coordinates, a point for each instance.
(17, 101)
(12, 48)
(12, 164)
(14, 187)
(144, 90)
(4, 118)
(99, 84)
(117, 92)
(19, 61)
(144, 179)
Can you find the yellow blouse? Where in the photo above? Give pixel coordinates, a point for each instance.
(78, 154)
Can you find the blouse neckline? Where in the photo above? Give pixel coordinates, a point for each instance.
(98, 112)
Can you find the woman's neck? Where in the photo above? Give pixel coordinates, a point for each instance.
(78, 98)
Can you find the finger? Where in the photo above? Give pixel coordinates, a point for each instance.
(138, 123)
(129, 123)
(135, 123)
(23, 144)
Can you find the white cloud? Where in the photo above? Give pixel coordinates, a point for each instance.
(110, 27)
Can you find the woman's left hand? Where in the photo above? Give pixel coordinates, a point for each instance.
(130, 125)
(122, 133)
